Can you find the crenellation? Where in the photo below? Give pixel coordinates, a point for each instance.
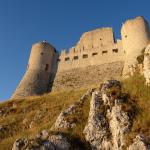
(101, 48)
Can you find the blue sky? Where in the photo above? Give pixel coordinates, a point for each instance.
(61, 22)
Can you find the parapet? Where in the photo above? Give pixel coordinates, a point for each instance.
(94, 48)
(96, 38)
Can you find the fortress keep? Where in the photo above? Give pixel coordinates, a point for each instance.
(97, 56)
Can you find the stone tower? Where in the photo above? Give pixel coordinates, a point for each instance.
(135, 37)
(36, 78)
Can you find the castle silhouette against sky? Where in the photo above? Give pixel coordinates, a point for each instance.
(95, 48)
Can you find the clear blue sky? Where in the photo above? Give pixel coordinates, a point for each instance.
(61, 22)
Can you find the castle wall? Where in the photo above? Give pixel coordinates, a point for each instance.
(34, 82)
(96, 38)
(94, 48)
(135, 37)
(87, 77)
(95, 57)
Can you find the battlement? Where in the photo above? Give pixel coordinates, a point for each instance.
(94, 48)
(100, 37)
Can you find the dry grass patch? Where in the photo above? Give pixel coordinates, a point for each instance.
(39, 111)
(140, 97)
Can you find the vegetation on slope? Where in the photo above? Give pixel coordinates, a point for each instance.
(27, 117)
(139, 95)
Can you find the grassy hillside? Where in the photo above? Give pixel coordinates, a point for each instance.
(26, 117)
(140, 95)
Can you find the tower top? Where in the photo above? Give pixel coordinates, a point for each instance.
(134, 20)
(44, 43)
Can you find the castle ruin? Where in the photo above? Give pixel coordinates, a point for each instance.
(96, 56)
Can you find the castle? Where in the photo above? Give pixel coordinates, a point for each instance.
(97, 52)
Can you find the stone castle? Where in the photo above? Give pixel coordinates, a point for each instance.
(95, 57)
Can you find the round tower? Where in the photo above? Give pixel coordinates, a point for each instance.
(36, 78)
(135, 37)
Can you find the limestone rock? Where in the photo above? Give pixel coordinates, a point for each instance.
(96, 130)
(110, 84)
(107, 122)
(43, 141)
(20, 144)
(119, 123)
(140, 143)
(59, 142)
(43, 135)
(147, 65)
(106, 128)
(63, 121)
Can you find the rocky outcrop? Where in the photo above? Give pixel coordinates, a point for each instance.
(107, 123)
(140, 143)
(43, 141)
(96, 130)
(106, 128)
(147, 65)
(119, 123)
(63, 121)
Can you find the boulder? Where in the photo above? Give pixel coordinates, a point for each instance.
(43, 141)
(139, 143)
(65, 120)
(60, 142)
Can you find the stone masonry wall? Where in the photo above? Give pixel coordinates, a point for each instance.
(94, 48)
(95, 58)
(87, 77)
(135, 37)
